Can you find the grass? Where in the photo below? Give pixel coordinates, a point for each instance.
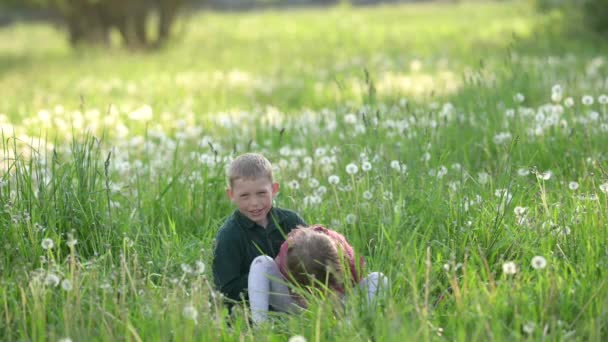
(118, 158)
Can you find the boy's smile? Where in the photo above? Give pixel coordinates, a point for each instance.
(253, 197)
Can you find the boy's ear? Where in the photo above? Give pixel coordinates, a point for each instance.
(229, 193)
(275, 188)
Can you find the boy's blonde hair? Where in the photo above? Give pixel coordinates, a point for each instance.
(313, 260)
(248, 166)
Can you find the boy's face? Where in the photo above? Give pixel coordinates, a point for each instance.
(253, 197)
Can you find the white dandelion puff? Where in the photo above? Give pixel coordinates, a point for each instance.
(539, 262)
(297, 338)
(519, 97)
(351, 218)
(509, 268)
(545, 175)
(51, 280)
(294, 185)
(529, 327)
(523, 172)
(366, 166)
(395, 165)
(603, 99)
(333, 179)
(519, 211)
(587, 100)
(368, 195)
(569, 102)
(187, 269)
(47, 244)
(573, 185)
(604, 188)
(190, 312)
(66, 285)
(483, 177)
(352, 169)
(200, 267)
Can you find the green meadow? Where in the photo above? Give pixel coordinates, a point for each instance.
(459, 147)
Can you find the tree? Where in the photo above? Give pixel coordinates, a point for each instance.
(90, 21)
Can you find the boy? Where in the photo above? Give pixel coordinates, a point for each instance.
(255, 228)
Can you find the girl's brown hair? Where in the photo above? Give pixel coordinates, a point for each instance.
(313, 260)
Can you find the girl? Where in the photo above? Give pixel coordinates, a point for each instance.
(312, 258)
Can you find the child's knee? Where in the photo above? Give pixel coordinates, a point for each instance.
(261, 261)
(378, 278)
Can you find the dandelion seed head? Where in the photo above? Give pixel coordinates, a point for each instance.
(539, 262)
(569, 102)
(200, 267)
(368, 195)
(573, 185)
(528, 328)
(366, 166)
(47, 244)
(351, 218)
(352, 169)
(190, 312)
(603, 99)
(587, 100)
(333, 179)
(297, 338)
(66, 285)
(604, 188)
(187, 269)
(509, 268)
(51, 280)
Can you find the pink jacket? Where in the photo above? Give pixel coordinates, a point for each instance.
(281, 258)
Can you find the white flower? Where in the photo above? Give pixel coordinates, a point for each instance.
(603, 99)
(47, 244)
(190, 312)
(187, 268)
(366, 166)
(587, 100)
(519, 210)
(294, 185)
(297, 338)
(604, 188)
(545, 175)
(528, 328)
(66, 284)
(351, 169)
(351, 218)
(65, 339)
(573, 185)
(320, 191)
(569, 102)
(483, 177)
(395, 165)
(519, 97)
(319, 152)
(51, 280)
(333, 179)
(313, 182)
(538, 262)
(523, 172)
(509, 268)
(200, 267)
(71, 241)
(557, 89)
(368, 195)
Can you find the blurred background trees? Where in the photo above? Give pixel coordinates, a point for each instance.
(91, 21)
(144, 24)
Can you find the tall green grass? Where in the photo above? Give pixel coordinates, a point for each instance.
(119, 160)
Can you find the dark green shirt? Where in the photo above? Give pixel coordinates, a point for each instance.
(241, 240)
